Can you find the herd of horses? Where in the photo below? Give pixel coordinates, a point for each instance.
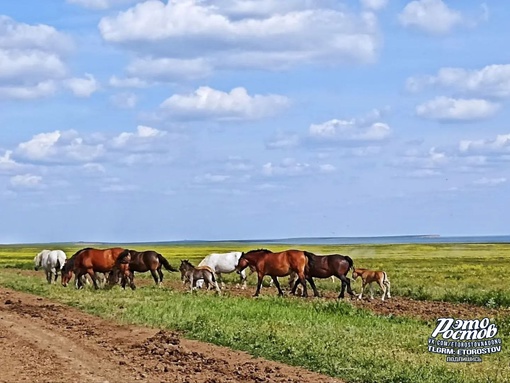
(118, 265)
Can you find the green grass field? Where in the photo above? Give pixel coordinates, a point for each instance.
(327, 336)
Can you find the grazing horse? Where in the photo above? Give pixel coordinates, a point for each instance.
(88, 261)
(275, 265)
(192, 274)
(143, 261)
(52, 261)
(223, 263)
(369, 276)
(121, 267)
(325, 266)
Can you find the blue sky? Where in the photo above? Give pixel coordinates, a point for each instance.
(127, 120)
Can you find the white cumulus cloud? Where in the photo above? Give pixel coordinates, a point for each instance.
(349, 130)
(243, 34)
(499, 145)
(489, 81)
(59, 146)
(431, 16)
(288, 167)
(237, 104)
(31, 59)
(452, 109)
(26, 181)
(82, 86)
(124, 100)
(143, 139)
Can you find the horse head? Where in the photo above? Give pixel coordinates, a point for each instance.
(37, 262)
(67, 273)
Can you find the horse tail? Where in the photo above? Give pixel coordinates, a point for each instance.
(386, 281)
(58, 266)
(165, 263)
(350, 261)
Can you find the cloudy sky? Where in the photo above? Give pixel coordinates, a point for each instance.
(126, 120)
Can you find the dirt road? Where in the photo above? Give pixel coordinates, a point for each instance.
(43, 341)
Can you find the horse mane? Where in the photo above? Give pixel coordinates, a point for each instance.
(80, 251)
(258, 250)
(350, 261)
(123, 255)
(69, 264)
(186, 262)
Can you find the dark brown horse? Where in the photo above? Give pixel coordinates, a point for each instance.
(192, 274)
(88, 261)
(275, 265)
(325, 266)
(143, 261)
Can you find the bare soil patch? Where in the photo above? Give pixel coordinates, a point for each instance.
(43, 341)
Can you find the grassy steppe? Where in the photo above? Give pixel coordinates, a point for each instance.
(467, 273)
(331, 337)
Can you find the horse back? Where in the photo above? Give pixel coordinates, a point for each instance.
(98, 260)
(206, 268)
(283, 263)
(222, 262)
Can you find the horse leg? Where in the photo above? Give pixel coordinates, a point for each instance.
(303, 282)
(345, 283)
(48, 276)
(219, 279)
(260, 278)
(277, 284)
(363, 284)
(371, 290)
(314, 288)
(215, 282)
(131, 278)
(160, 273)
(292, 279)
(155, 276)
(296, 283)
(383, 289)
(191, 281)
(78, 279)
(388, 284)
(92, 275)
(243, 277)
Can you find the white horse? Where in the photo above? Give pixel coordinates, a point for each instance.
(51, 261)
(223, 263)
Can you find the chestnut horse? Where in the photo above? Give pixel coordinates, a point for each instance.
(275, 265)
(88, 261)
(325, 266)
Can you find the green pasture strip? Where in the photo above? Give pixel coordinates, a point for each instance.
(468, 273)
(329, 337)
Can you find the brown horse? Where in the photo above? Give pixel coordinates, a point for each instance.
(88, 261)
(275, 265)
(325, 266)
(143, 261)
